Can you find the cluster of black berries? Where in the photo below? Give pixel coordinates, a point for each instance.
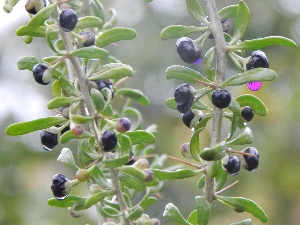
(231, 163)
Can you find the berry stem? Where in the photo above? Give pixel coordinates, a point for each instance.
(238, 152)
(188, 163)
(226, 188)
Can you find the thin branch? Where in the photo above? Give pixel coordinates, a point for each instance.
(226, 188)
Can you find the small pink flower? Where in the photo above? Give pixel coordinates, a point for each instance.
(254, 86)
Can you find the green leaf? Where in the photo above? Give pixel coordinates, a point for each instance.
(254, 103)
(134, 94)
(113, 163)
(97, 99)
(98, 197)
(39, 18)
(132, 181)
(228, 12)
(244, 222)
(146, 203)
(177, 31)
(176, 174)
(49, 31)
(61, 101)
(114, 73)
(173, 212)
(91, 52)
(67, 136)
(244, 138)
(184, 73)
(258, 74)
(203, 122)
(70, 201)
(214, 153)
(88, 21)
(203, 210)
(66, 158)
(140, 136)
(195, 145)
(136, 213)
(133, 171)
(99, 178)
(113, 20)
(245, 205)
(194, 8)
(134, 112)
(233, 127)
(207, 63)
(56, 89)
(68, 88)
(171, 103)
(28, 62)
(31, 31)
(114, 35)
(98, 9)
(235, 107)
(109, 212)
(221, 178)
(259, 43)
(201, 182)
(34, 125)
(81, 119)
(193, 217)
(9, 5)
(242, 21)
(125, 144)
(200, 106)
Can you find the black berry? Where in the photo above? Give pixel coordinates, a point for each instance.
(48, 140)
(68, 20)
(41, 74)
(109, 141)
(231, 164)
(250, 163)
(60, 186)
(67, 128)
(257, 59)
(221, 98)
(131, 160)
(247, 113)
(184, 97)
(191, 118)
(123, 125)
(87, 39)
(105, 84)
(225, 26)
(34, 6)
(188, 50)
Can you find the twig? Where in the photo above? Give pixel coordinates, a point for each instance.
(226, 188)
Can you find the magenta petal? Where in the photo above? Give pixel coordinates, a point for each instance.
(197, 61)
(254, 86)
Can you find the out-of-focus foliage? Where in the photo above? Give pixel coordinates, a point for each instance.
(26, 171)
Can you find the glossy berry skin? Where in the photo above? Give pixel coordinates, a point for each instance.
(231, 164)
(68, 20)
(184, 97)
(109, 141)
(188, 50)
(250, 163)
(34, 6)
(88, 39)
(257, 59)
(221, 98)
(41, 74)
(105, 84)
(48, 140)
(123, 125)
(189, 118)
(59, 186)
(247, 113)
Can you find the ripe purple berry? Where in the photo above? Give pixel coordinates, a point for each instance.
(34, 6)
(60, 186)
(188, 50)
(87, 39)
(48, 140)
(109, 141)
(247, 113)
(41, 74)
(192, 117)
(231, 164)
(221, 98)
(257, 59)
(68, 20)
(184, 97)
(123, 125)
(250, 163)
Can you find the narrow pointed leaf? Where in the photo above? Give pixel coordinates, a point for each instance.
(214, 153)
(132, 181)
(203, 210)
(99, 178)
(235, 107)
(98, 197)
(114, 35)
(193, 217)
(109, 212)
(173, 212)
(28, 62)
(258, 74)
(9, 5)
(147, 202)
(39, 18)
(136, 213)
(67, 136)
(61, 101)
(134, 94)
(177, 31)
(254, 103)
(126, 145)
(68, 88)
(207, 63)
(34, 125)
(221, 178)
(70, 201)
(195, 10)
(245, 205)
(31, 31)
(113, 20)
(242, 21)
(201, 182)
(91, 52)
(56, 89)
(244, 138)
(256, 44)
(140, 136)
(176, 174)
(81, 119)
(115, 73)
(97, 100)
(200, 106)
(228, 12)
(195, 145)
(114, 163)
(97, 8)
(184, 73)
(88, 21)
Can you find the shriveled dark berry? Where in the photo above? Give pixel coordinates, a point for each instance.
(250, 163)
(60, 186)
(34, 6)
(48, 140)
(247, 113)
(221, 98)
(184, 97)
(257, 59)
(191, 118)
(87, 39)
(188, 50)
(41, 74)
(123, 125)
(68, 20)
(109, 141)
(231, 164)
(105, 84)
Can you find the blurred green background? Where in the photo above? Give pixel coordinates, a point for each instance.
(26, 169)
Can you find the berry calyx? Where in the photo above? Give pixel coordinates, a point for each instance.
(192, 117)
(48, 140)
(87, 39)
(34, 6)
(60, 186)
(68, 20)
(221, 98)
(105, 84)
(41, 74)
(257, 59)
(184, 97)
(64, 111)
(247, 113)
(123, 125)
(250, 163)
(231, 164)
(109, 141)
(188, 50)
